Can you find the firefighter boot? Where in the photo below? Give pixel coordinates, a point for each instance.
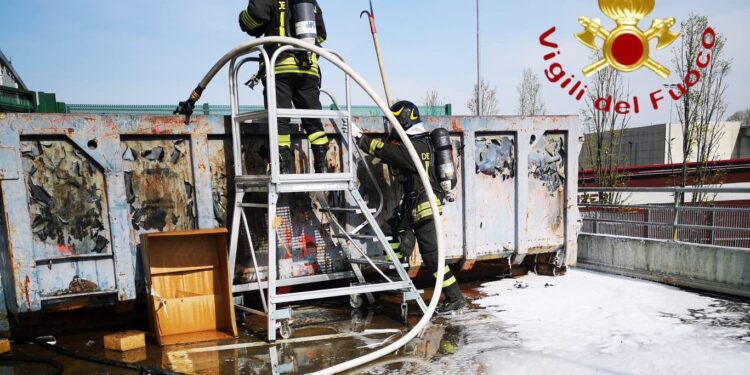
(319, 158)
(454, 300)
(286, 160)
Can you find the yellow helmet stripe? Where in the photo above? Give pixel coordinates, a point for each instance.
(397, 113)
(412, 116)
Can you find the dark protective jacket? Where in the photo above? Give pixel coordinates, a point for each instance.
(274, 18)
(415, 207)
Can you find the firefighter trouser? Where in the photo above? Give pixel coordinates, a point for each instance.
(424, 231)
(302, 90)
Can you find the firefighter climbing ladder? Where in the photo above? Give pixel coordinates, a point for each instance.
(315, 184)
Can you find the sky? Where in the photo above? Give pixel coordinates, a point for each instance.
(155, 52)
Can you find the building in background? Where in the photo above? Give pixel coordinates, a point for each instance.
(650, 145)
(16, 97)
(644, 162)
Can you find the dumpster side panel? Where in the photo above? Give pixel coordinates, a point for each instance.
(136, 174)
(69, 218)
(452, 216)
(159, 187)
(494, 193)
(545, 225)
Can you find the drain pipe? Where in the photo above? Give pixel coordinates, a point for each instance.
(331, 57)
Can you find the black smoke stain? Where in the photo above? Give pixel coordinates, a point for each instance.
(154, 219)
(155, 154)
(65, 200)
(39, 195)
(101, 244)
(174, 156)
(129, 187)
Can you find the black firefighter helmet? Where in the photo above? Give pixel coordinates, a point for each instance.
(407, 115)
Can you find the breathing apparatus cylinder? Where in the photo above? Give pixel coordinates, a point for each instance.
(305, 28)
(446, 170)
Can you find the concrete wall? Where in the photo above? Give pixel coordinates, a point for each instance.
(710, 268)
(742, 149)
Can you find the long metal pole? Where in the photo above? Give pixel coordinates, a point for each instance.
(378, 54)
(677, 197)
(479, 68)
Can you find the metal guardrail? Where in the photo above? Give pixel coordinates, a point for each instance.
(711, 222)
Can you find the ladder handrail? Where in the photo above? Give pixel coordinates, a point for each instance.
(370, 174)
(234, 103)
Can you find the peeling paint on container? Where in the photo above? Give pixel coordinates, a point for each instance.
(69, 217)
(220, 162)
(67, 203)
(159, 185)
(547, 179)
(496, 156)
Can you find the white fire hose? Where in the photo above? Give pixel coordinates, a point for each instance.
(248, 47)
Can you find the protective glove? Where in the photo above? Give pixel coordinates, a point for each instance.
(185, 108)
(356, 130)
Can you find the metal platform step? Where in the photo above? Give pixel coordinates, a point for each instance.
(253, 285)
(337, 292)
(379, 263)
(345, 210)
(363, 237)
(262, 116)
(297, 183)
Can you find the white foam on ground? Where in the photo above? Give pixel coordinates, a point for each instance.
(594, 323)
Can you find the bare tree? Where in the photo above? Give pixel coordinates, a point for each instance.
(432, 103)
(488, 100)
(604, 131)
(702, 106)
(530, 102)
(432, 99)
(742, 116)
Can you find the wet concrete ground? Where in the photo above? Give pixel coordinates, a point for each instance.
(470, 343)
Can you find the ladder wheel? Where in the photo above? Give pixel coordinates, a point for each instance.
(356, 301)
(286, 330)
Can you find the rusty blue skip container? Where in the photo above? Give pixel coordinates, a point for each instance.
(79, 190)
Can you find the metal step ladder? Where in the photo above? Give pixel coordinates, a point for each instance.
(275, 184)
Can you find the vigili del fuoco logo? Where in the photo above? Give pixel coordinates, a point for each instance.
(625, 48)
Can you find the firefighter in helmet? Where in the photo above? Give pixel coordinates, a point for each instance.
(297, 72)
(414, 216)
